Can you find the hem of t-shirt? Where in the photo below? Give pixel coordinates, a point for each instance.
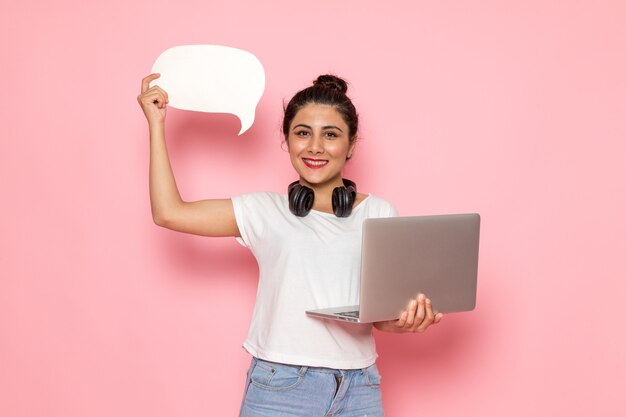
(308, 361)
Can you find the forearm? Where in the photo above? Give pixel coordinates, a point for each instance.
(164, 195)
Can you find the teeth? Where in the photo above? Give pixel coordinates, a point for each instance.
(316, 163)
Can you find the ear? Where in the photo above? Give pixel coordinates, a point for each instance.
(351, 148)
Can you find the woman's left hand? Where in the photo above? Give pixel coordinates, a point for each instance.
(417, 318)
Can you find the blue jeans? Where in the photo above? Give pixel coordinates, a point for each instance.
(279, 390)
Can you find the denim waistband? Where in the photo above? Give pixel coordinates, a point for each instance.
(301, 369)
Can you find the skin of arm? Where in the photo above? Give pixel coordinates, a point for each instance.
(213, 217)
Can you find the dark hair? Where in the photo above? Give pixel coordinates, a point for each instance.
(326, 89)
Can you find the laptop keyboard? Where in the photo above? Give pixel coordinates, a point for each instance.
(349, 314)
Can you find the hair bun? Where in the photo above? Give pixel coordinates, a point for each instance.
(331, 81)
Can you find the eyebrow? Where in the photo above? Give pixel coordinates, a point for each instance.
(323, 127)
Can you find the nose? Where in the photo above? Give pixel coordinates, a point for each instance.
(316, 144)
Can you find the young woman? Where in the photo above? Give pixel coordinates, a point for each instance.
(307, 245)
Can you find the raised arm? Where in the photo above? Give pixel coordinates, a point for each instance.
(205, 217)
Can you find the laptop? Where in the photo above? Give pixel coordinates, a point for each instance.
(404, 256)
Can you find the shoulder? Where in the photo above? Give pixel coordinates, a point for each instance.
(260, 204)
(257, 212)
(378, 207)
(259, 198)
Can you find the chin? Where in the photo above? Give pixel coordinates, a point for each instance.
(320, 181)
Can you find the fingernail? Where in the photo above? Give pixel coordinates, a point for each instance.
(420, 297)
(413, 303)
(428, 301)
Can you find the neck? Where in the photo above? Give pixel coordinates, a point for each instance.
(323, 194)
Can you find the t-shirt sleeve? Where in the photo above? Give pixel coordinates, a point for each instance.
(251, 211)
(385, 209)
(240, 209)
(393, 212)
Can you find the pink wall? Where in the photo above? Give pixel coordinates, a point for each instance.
(514, 109)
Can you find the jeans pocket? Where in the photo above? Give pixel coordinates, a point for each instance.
(276, 377)
(372, 376)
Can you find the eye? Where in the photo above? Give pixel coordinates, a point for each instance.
(331, 135)
(302, 133)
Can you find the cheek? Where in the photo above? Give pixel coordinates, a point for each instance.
(295, 148)
(339, 149)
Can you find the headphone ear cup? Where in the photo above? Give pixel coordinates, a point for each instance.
(343, 199)
(300, 199)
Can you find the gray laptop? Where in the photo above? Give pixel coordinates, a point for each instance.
(403, 256)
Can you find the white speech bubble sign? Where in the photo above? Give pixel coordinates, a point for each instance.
(213, 79)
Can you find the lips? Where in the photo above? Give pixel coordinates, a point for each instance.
(314, 163)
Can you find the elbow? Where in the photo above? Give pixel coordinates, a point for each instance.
(160, 219)
(157, 220)
(168, 216)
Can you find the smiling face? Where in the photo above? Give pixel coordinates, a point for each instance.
(319, 144)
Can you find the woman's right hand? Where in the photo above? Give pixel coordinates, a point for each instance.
(215, 217)
(153, 100)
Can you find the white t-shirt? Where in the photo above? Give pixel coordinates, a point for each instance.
(306, 263)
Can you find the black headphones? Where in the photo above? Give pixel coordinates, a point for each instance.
(301, 198)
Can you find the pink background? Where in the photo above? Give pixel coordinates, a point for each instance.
(513, 109)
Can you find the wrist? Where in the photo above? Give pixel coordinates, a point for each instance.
(156, 126)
